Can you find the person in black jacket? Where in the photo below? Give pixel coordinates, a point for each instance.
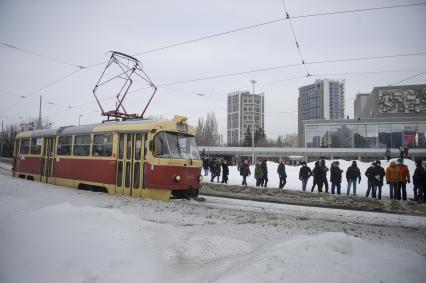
(206, 164)
(304, 174)
(352, 174)
(419, 179)
(225, 172)
(335, 176)
(264, 181)
(369, 176)
(282, 175)
(212, 166)
(377, 175)
(319, 177)
(217, 169)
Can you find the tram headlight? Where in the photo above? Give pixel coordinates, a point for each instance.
(200, 178)
(177, 178)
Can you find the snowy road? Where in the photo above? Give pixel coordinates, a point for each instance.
(56, 234)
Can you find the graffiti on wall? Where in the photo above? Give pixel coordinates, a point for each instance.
(401, 100)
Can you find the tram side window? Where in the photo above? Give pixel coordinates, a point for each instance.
(64, 145)
(160, 146)
(25, 146)
(36, 145)
(102, 145)
(81, 145)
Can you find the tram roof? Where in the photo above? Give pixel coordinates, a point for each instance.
(129, 125)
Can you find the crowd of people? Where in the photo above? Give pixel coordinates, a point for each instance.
(396, 176)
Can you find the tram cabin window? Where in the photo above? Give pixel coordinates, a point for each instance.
(64, 145)
(81, 145)
(36, 145)
(25, 146)
(160, 146)
(102, 145)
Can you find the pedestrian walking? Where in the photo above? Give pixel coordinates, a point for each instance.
(282, 175)
(418, 181)
(393, 177)
(258, 173)
(401, 152)
(405, 178)
(352, 174)
(319, 177)
(325, 181)
(217, 169)
(264, 167)
(377, 173)
(388, 154)
(206, 166)
(225, 172)
(369, 176)
(406, 149)
(212, 167)
(304, 174)
(335, 177)
(244, 172)
(315, 179)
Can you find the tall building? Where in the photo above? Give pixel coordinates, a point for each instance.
(322, 100)
(359, 103)
(244, 110)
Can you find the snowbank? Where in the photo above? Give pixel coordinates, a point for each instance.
(293, 182)
(67, 243)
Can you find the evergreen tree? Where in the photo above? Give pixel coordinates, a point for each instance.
(248, 137)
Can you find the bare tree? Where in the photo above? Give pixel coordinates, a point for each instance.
(206, 132)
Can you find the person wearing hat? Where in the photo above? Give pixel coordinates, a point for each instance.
(393, 177)
(352, 174)
(335, 176)
(405, 178)
(304, 174)
(377, 173)
(369, 177)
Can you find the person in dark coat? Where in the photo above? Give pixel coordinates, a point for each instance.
(369, 176)
(217, 169)
(388, 154)
(419, 181)
(212, 167)
(377, 176)
(325, 181)
(401, 153)
(225, 172)
(282, 175)
(264, 167)
(335, 177)
(258, 173)
(304, 174)
(319, 177)
(245, 171)
(352, 174)
(206, 164)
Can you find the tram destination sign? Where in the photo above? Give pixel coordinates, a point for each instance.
(181, 127)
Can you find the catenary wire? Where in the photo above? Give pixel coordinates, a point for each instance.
(410, 77)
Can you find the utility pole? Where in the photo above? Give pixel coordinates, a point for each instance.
(1, 140)
(39, 116)
(252, 133)
(79, 116)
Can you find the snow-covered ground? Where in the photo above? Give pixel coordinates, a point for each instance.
(55, 234)
(293, 182)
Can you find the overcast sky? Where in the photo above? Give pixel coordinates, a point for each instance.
(82, 32)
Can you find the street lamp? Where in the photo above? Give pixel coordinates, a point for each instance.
(252, 132)
(79, 116)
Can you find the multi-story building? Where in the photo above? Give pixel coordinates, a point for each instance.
(245, 110)
(324, 100)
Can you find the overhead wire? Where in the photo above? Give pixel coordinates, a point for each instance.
(410, 77)
(295, 39)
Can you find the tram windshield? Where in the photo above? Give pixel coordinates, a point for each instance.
(176, 146)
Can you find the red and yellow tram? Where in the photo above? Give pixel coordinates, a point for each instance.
(140, 158)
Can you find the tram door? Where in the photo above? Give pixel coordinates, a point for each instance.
(48, 158)
(130, 164)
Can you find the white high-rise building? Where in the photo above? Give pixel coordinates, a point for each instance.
(244, 110)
